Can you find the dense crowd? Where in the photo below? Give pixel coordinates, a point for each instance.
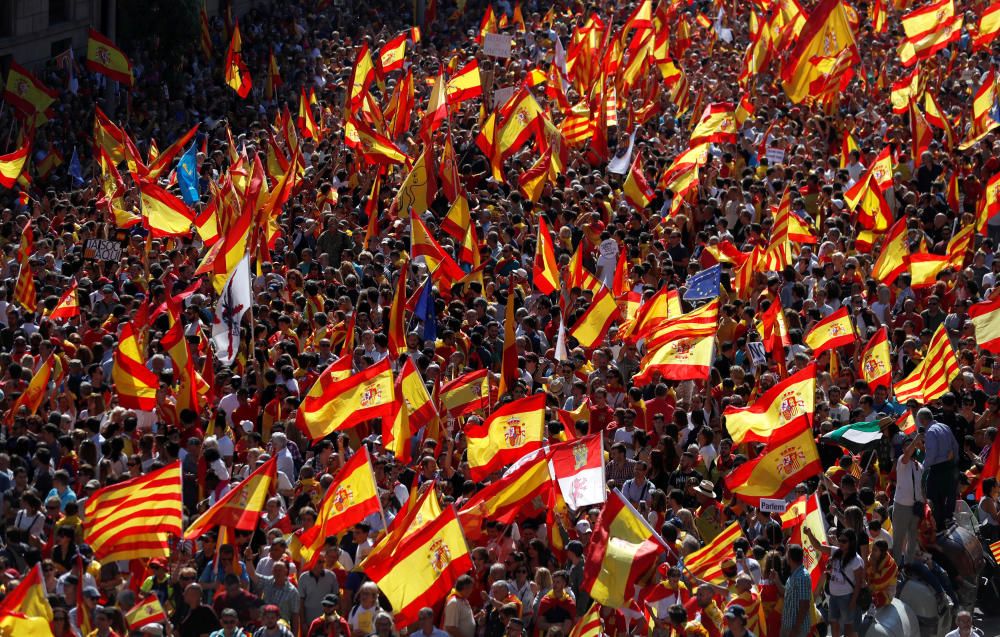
(667, 447)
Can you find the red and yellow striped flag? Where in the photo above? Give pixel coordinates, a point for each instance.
(336, 404)
(135, 383)
(995, 551)
(34, 393)
(237, 73)
(876, 361)
(148, 611)
(423, 568)
(792, 399)
(545, 272)
(465, 84)
(135, 519)
(683, 358)
(836, 330)
(24, 287)
(985, 318)
(509, 372)
(12, 164)
(68, 305)
(933, 375)
(28, 598)
(706, 562)
(469, 392)
(590, 624)
(621, 552)
(520, 494)
(591, 328)
(790, 457)
(703, 321)
(241, 507)
(107, 59)
(894, 256)
(510, 432)
(392, 54)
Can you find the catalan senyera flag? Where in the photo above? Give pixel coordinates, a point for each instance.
(995, 551)
(137, 518)
(424, 567)
(135, 383)
(805, 513)
(789, 458)
(27, 94)
(510, 432)
(240, 508)
(519, 494)
(986, 320)
(876, 361)
(621, 553)
(333, 405)
(465, 84)
(789, 401)
(591, 328)
(164, 214)
(717, 125)
(894, 257)
(706, 562)
(12, 164)
(33, 395)
(107, 59)
(545, 271)
(684, 358)
(147, 611)
(932, 376)
(469, 392)
(589, 624)
(959, 245)
(636, 189)
(29, 598)
(836, 330)
(350, 499)
(702, 321)
(392, 54)
(237, 72)
(827, 32)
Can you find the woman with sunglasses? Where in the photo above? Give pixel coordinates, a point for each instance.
(847, 580)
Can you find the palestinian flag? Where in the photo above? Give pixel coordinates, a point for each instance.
(856, 437)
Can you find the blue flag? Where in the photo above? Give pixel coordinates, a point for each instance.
(75, 170)
(425, 312)
(187, 176)
(704, 285)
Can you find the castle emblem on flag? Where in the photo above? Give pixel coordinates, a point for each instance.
(439, 556)
(790, 406)
(343, 498)
(514, 434)
(579, 456)
(790, 460)
(372, 395)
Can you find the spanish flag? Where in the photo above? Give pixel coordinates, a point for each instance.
(520, 124)
(451, 184)
(827, 32)
(788, 402)
(137, 518)
(989, 26)
(836, 330)
(912, 50)
(651, 312)
(509, 372)
(419, 188)
(109, 137)
(392, 54)
(29, 599)
(135, 383)
(33, 395)
(240, 508)
(350, 499)
(591, 328)
(27, 94)
(422, 244)
(870, 206)
(790, 457)
(532, 181)
(932, 376)
(684, 358)
(876, 361)
(465, 85)
(510, 432)
(805, 513)
(894, 257)
(717, 125)
(12, 164)
(986, 320)
(68, 305)
(423, 568)
(164, 214)
(520, 494)
(163, 160)
(237, 73)
(335, 404)
(927, 19)
(421, 507)
(469, 392)
(375, 147)
(437, 109)
(306, 121)
(105, 58)
(699, 322)
(148, 611)
(545, 271)
(621, 553)
(925, 268)
(706, 562)
(414, 409)
(396, 328)
(361, 76)
(636, 189)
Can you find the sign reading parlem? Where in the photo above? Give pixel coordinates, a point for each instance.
(768, 505)
(497, 45)
(101, 250)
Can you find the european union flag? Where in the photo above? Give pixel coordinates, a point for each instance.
(187, 176)
(75, 170)
(425, 311)
(704, 285)
(995, 111)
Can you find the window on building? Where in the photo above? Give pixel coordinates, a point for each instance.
(60, 46)
(59, 11)
(6, 19)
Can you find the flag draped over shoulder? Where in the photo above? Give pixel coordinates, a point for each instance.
(622, 550)
(137, 518)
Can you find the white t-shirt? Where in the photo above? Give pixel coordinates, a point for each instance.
(842, 577)
(908, 491)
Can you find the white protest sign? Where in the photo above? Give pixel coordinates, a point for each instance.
(768, 505)
(497, 45)
(608, 248)
(775, 156)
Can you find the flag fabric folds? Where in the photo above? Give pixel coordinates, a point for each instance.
(147, 611)
(234, 300)
(789, 457)
(706, 562)
(932, 376)
(836, 330)
(621, 552)
(876, 361)
(137, 518)
(591, 328)
(12, 164)
(469, 392)
(332, 405)
(509, 433)
(241, 506)
(237, 72)
(164, 214)
(107, 59)
(856, 437)
(791, 400)
(986, 319)
(135, 383)
(577, 466)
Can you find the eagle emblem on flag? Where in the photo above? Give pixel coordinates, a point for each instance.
(439, 556)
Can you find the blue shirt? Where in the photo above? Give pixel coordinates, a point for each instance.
(797, 588)
(939, 442)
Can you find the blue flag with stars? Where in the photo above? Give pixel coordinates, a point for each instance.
(704, 285)
(187, 176)
(75, 169)
(425, 312)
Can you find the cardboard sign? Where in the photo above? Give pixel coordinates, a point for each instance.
(101, 250)
(758, 355)
(775, 156)
(497, 45)
(608, 248)
(768, 505)
(502, 95)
